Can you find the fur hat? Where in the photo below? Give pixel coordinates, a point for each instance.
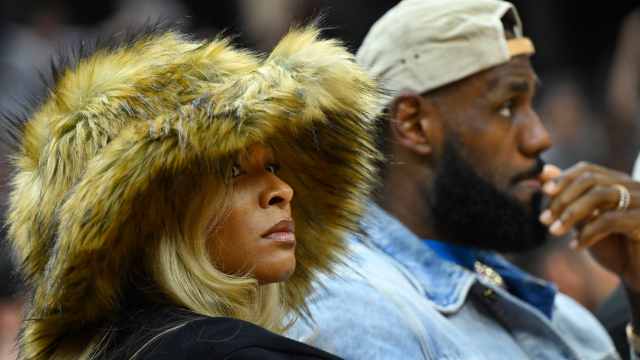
(157, 106)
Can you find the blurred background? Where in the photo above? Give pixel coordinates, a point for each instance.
(588, 57)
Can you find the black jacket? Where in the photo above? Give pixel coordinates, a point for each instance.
(174, 334)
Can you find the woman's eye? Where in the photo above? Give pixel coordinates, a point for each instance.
(236, 171)
(506, 109)
(273, 168)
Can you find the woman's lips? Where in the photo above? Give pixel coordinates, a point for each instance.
(285, 237)
(283, 232)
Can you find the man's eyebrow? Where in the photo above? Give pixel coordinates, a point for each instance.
(513, 85)
(518, 86)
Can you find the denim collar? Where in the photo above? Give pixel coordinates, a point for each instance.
(536, 292)
(445, 283)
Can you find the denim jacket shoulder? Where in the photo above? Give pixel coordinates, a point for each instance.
(395, 297)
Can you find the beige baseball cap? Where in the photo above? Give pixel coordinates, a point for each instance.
(420, 45)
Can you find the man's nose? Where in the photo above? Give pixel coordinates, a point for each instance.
(533, 137)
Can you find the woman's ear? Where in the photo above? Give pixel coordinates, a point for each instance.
(409, 120)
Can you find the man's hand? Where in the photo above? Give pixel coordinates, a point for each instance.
(585, 198)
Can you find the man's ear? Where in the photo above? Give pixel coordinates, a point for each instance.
(409, 121)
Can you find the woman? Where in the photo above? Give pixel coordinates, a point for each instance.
(158, 187)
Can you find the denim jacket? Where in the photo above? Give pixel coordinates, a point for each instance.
(396, 299)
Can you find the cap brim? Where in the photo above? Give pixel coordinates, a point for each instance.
(520, 46)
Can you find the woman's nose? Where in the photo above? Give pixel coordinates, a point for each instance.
(277, 192)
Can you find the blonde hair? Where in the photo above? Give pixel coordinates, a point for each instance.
(184, 270)
(180, 265)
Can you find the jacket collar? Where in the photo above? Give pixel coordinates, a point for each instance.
(443, 283)
(536, 292)
(447, 283)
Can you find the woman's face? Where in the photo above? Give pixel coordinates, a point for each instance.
(257, 236)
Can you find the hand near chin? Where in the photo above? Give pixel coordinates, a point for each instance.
(602, 207)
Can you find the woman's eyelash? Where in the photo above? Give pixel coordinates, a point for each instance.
(236, 170)
(274, 168)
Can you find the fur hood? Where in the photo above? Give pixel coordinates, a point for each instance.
(158, 106)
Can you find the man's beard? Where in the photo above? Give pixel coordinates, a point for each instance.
(469, 210)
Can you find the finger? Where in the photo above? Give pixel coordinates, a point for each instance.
(558, 184)
(580, 186)
(611, 222)
(549, 172)
(582, 208)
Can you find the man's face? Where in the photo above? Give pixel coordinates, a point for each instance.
(486, 192)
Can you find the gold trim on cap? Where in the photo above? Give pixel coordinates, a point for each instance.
(520, 46)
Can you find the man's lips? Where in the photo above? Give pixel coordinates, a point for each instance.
(531, 177)
(283, 231)
(531, 183)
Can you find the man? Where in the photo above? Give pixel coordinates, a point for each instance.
(464, 180)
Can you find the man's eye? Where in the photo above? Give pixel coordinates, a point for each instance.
(506, 109)
(236, 171)
(273, 168)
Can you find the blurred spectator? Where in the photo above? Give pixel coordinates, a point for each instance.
(11, 303)
(264, 22)
(577, 132)
(27, 48)
(135, 13)
(623, 96)
(34, 37)
(624, 80)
